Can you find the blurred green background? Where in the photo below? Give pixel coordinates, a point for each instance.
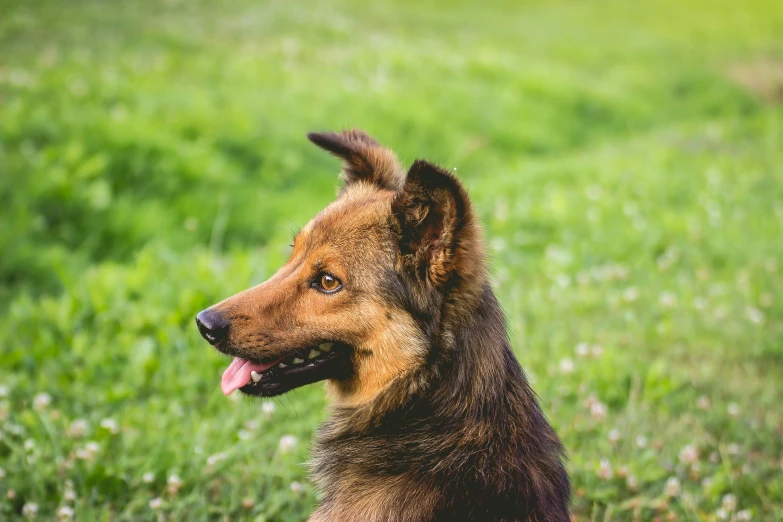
(626, 158)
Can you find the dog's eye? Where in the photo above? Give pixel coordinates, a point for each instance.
(328, 283)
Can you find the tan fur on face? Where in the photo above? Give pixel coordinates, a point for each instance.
(395, 346)
(350, 239)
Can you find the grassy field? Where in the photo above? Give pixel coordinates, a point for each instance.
(626, 158)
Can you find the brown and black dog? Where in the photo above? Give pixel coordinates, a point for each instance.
(386, 298)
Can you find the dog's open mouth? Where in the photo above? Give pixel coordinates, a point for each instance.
(302, 367)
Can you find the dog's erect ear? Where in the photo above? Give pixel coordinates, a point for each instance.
(437, 230)
(363, 158)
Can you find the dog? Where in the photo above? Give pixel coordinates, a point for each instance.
(386, 298)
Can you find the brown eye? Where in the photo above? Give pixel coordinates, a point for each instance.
(329, 283)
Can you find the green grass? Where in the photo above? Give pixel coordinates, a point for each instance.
(627, 160)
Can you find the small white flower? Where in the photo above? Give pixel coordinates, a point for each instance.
(148, 477)
(743, 516)
(755, 315)
(582, 349)
(69, 495)
(689, 454)
(42, 401)
(563, 280)
(703, 402)
(111, 425)
(630, 294)
(729, 502)
(217, 457)
(605, 470)
(566, 366)
(672, 487)
(668, 258)
(733, 409)
(641, 441)
(29, 444)
(297, 487)
(30, 510)
(4, 391)
(583, 278)
(268, 408)
(173, 483)
(156, 503)
(77, 429)
(722, 514)
(88, 451)
(15, 429)
(614, 436)
(598, 410)
(65, 513)
(632, 482)
(243, 434)
(668, 299)
(287, 443)
(498, 244)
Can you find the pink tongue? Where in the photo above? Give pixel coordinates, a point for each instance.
(238, 374)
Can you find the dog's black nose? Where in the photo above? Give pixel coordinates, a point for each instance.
(212, 325)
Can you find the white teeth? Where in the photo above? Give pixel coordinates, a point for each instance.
(326, 347)
(255, 376)
(313, 354)
(282, 365)
(297, 360)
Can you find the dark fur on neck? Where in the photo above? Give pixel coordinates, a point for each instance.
(460, 438)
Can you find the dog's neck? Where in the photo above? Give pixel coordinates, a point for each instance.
(463, 434)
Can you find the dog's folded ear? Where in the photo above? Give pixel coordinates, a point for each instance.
(363, 158)
(438, 233)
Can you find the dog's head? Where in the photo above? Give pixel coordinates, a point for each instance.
(360, 300)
